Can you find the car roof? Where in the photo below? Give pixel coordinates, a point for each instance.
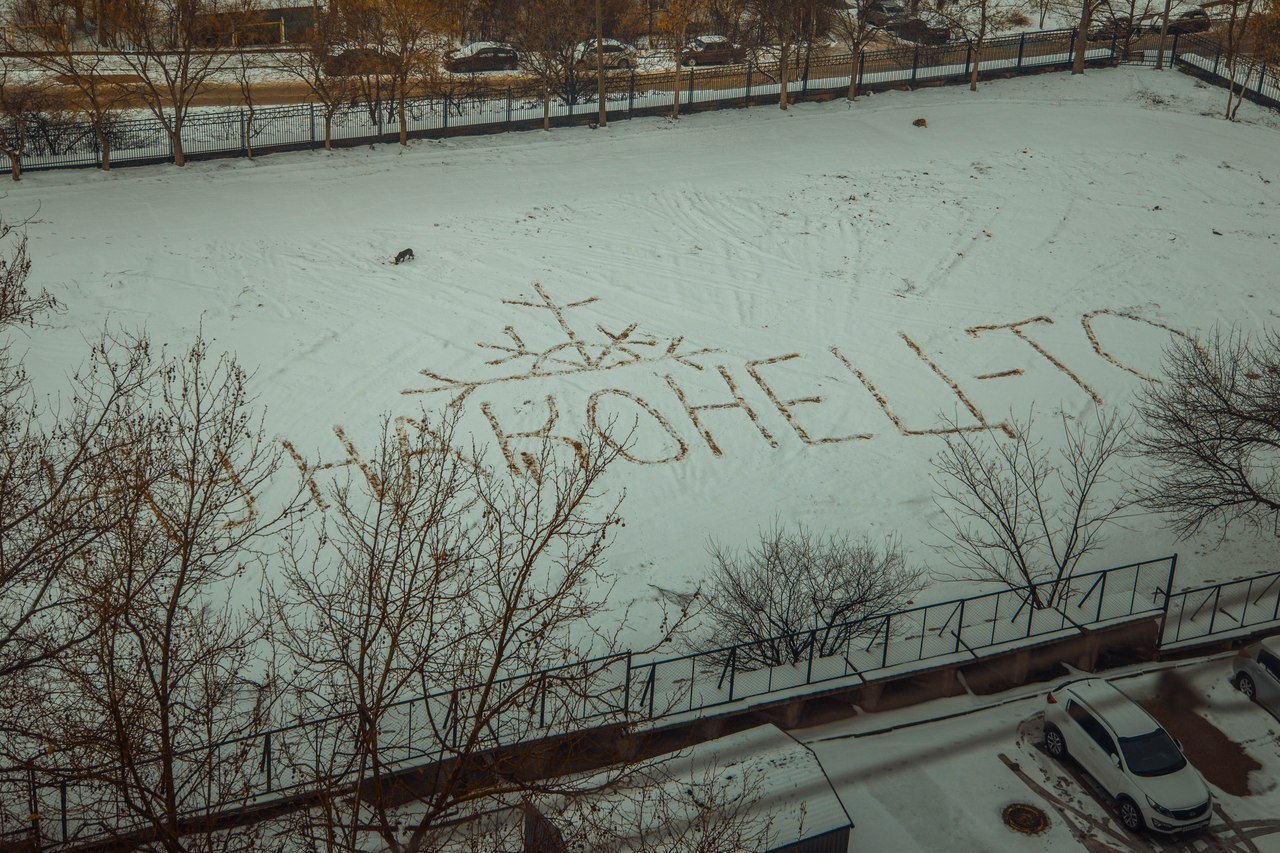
(1272, 644)
(1125, 717)
(712, 39)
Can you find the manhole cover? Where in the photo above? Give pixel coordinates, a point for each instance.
(1025, 818)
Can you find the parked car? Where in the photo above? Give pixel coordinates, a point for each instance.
(482, 56)
(1190, 21)
(359, 60)
(882, 12)
(920, 32)
(1257, 673)
(1120, 27)
(1131, 757)
(711, 50)
(616, 54)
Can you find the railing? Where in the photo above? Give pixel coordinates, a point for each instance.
(1259, 82)
(1222, 609)
(477, 107)
(889, 644)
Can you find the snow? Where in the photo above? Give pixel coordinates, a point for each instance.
(719, 282)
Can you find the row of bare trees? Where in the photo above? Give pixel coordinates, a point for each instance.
(166, 597)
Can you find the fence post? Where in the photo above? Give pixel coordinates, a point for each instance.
(626, 687)
(312, 105)
(1071, 48)
(631, 96)
(1173, 51)
(1217, 55)
(508, 125)
(968, 55)
(266, 758)
(1113, 45)
(1168, 596)
(1022, 42)
(689, 99)
(746, 101)
(244, 137)
(862, 64)
(959, 627)
(915, 63)
(884, 658)
(813, 641)
(445, 123)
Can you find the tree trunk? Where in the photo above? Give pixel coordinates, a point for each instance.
(104, 145)
(1082, 37)
(15, 164)
(675, 91)
(977, 60)
(546, 110)
(403, 117)
(1164, 33)
(175, 142)
(328, 130)
(782, 75)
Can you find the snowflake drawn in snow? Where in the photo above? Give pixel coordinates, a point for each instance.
(574, 352)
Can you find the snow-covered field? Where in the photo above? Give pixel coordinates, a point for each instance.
(785, 305)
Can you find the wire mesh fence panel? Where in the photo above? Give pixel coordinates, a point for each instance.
(1222, 609)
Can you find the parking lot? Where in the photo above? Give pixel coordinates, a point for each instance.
(941, 775)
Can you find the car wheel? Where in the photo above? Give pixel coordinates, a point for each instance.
(690, 62)
(1054, 743)
(1130, 814)
(622, 65)
(1246, 686)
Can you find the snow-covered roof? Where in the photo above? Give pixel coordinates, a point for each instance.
(777, 784)
(476, 46)
(1125, 716)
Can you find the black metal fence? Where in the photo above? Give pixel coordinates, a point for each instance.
(1222, 609)
(476, 106)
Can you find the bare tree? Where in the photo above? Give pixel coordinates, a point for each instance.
(781, 22)
(1021, 515)
(21, 103)
(976, 21)
(173, 48)
(148, 720)
(413, 35)
(853, 27)
(675, 22)
(770, 599)
(51, 34)
(1212, 432)
(548, 35)
(312, 63)
(434, 575)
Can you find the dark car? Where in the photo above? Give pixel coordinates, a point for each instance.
(1120, 28)
(360, 60)
(882, 12)
(711, 50)
(482, 56)
(919, 31)
(1191, 21)
(616, 54)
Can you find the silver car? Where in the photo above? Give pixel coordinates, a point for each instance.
(1257, 673)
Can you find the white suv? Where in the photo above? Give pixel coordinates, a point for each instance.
(1128, 754)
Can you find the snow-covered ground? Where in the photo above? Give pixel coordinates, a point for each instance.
(1032, 248)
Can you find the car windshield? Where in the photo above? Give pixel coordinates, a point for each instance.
(1153, 754)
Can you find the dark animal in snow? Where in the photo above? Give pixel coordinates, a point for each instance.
(406, 255)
